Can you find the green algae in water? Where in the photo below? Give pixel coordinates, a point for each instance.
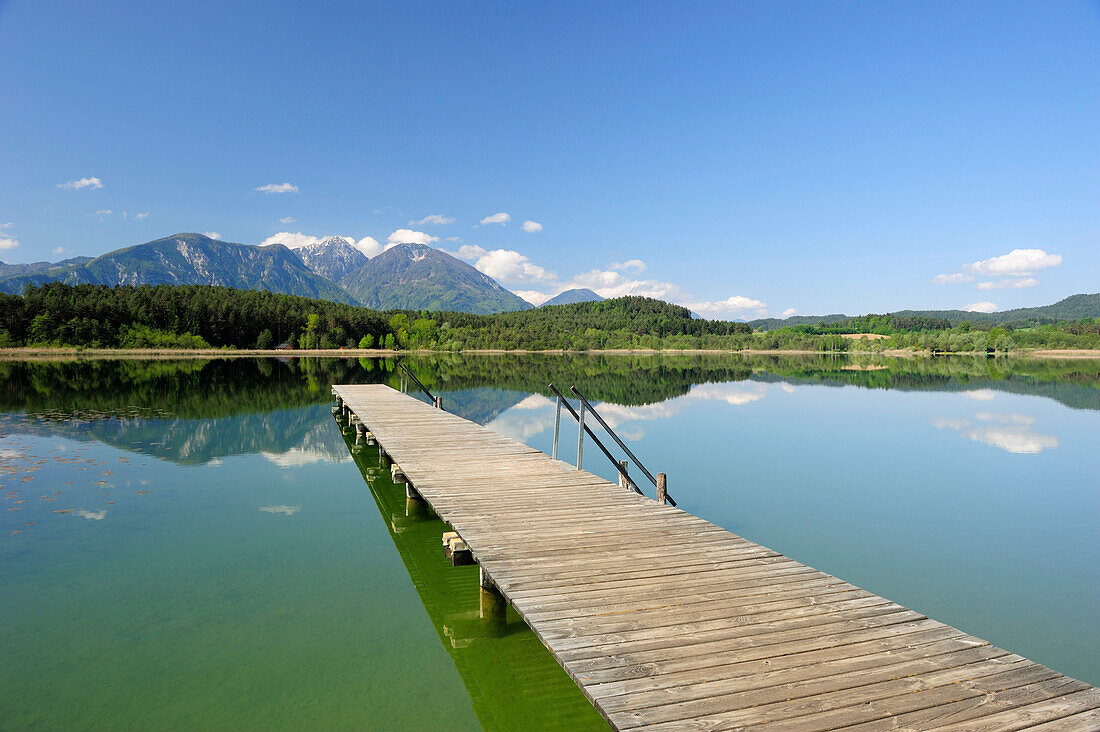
(252, 590)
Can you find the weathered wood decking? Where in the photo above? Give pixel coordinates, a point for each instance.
(669, 622)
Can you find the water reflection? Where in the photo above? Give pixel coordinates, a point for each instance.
(1010, 432)
(846, 469)
(535, 414)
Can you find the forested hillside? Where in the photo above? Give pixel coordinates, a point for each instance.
(195, 316)
(1071, 308)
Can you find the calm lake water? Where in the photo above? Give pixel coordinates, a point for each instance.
(197, 543)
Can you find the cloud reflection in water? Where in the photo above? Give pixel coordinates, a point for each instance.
(1010, 432)
(535, 413)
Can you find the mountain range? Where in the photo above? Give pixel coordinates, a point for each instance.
(404, 277)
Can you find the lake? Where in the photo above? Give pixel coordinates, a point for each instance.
(197, 543)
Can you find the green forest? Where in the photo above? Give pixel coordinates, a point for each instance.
(200, 317)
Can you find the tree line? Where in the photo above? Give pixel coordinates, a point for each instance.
(198, 316)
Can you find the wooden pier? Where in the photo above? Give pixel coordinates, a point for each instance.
(667, 621)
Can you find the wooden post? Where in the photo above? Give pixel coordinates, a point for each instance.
(492, 606)
(460, 553)
(439, 403)
(580, 437)
(622, 476)
(662, 488)
(484, 579)
(415, 507)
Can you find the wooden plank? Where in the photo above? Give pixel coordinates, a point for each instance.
(1029, 716)
(667, 621)
(974, 707)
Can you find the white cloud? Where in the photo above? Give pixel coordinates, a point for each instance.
(532, 226)
(529, 417)
(631, 264)
(980, 395)
(1005, 418)
(76, 185)
(738, 306)
(140, 216)
(506, 265)
(1017, 284)
(212, 234)
(299, 456)
(281, 510)
(980, 307)
(59, 250)
(277, 188)
(103, 213)
(6, 242)
(951, 279)
(433, 220)
(469, 252)
(1020, 440)
(1010, 432)
(535, 413)
(735, 394)
(368, 245)
(788, 312)
(1017, 263)
(1015, 268)
(533, 401)
(287, 220)
(291, 241)
(613, 284)
(497, 218)
(948, 423)
(7, 225)
(408, 236)
(512, 268)
(533, 296)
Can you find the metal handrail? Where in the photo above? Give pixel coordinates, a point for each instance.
(659, 482)
(622, 471)
(437, 402)
(614, 436)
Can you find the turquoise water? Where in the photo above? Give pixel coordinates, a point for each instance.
(198, 544)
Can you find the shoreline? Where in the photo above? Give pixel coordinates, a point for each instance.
(50, 354)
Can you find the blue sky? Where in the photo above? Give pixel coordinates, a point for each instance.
(754, 157)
